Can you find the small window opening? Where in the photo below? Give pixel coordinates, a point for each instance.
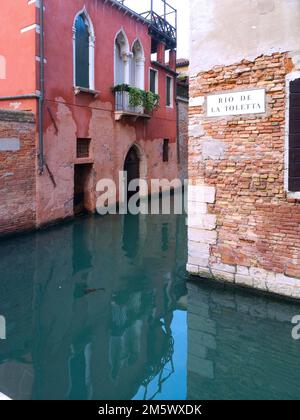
(166, 150)
(83, 148)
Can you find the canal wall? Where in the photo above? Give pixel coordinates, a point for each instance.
(244, 219)
(17, 171)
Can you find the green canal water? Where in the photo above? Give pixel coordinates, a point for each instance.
(100, 308)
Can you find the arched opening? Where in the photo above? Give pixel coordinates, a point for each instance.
(131, 222)
(132, 167)
(138, 65)
(122, 55)
(84, 50)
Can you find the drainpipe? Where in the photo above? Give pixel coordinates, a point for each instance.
(42, 92)
(177, 129)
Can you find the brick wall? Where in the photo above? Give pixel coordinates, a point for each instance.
(183, 119)
(248, 231)
(17, 171)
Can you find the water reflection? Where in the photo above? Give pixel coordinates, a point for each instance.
(90, 310)
(240, 345)
(99, 309)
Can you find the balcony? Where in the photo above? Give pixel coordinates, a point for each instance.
(134, 102)
(124, 109)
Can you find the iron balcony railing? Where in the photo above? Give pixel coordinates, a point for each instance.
(161, 19)
(160, 26)
(122, 103)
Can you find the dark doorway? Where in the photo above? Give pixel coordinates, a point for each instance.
(82, 174)
(132, 167)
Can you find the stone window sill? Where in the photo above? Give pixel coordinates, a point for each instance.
(293, 195)
(133, 115)
(84, 161)
(79, 89)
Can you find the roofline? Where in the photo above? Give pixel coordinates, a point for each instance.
(126, 10)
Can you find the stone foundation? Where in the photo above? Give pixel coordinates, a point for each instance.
(242, 226)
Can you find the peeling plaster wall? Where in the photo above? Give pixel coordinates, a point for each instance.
(110, 143)
(69, 116)
(241, 29)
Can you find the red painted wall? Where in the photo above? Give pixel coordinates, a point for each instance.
(69, 116)
(22, 69)
(107, 21)
(18, 50)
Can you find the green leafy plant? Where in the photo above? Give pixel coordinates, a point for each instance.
(150, 101)
(121, 88)
(136, 97)
(139, 97)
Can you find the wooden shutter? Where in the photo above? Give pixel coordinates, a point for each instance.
(82, 53)
(294, 137)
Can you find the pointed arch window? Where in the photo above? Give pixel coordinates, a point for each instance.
(122, 59)
(138, 65)
(84, 51)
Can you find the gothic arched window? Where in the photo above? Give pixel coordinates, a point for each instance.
(84, 47)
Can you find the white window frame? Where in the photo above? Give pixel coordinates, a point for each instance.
(126, 57)
(156, 79)
(138, 61)
(171, 93)
(289, 78)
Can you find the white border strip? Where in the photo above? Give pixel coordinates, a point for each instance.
(4, 397)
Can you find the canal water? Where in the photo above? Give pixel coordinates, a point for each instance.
(100, 308)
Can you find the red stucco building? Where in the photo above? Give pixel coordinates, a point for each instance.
(60, 62)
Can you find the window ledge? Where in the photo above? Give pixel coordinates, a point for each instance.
(293, 195)
(134, 115)
(79, 89)
(83, 161)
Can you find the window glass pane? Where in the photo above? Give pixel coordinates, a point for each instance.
(169, 91)
(294, 137)
(153, 81)
(82, 52)
(119, 65)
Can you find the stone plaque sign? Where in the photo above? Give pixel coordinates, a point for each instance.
(237, 103)
(9, 144)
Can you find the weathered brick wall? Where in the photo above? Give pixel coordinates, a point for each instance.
(183, 119)
(253, 234)
(17, 171)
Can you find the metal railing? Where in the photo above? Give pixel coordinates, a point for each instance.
(123, 104)
(161, 16)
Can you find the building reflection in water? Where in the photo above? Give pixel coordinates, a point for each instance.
(90, 309)
(96, 309)
(240, 345)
